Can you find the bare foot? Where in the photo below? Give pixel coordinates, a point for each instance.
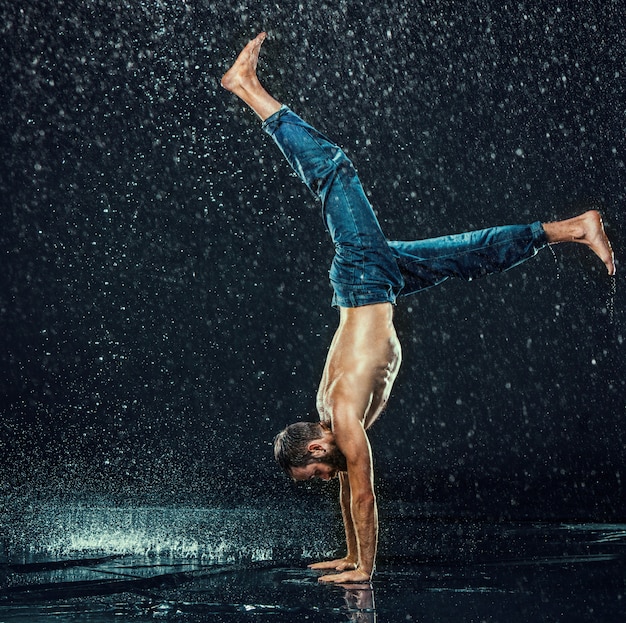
(243, 71)
(241, 79)
(587, 229)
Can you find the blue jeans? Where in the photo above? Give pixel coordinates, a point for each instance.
(368, 268)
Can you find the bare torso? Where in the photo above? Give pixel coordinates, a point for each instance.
(363, 360)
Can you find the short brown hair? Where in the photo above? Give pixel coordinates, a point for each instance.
(291, 444)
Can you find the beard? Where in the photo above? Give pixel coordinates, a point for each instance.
(335, 459)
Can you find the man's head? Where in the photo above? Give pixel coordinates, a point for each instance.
(307, 450)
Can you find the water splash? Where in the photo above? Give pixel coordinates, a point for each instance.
(221, 536)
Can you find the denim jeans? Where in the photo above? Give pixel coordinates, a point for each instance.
(366, 267)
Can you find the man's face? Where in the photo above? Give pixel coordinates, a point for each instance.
(320, 470)
(330, 461)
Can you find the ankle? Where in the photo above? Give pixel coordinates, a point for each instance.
(556, 232)
(570, 230)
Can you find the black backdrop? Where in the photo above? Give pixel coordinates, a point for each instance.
(164, 303)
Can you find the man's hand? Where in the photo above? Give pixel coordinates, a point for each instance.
(347, 577)
(340, 564)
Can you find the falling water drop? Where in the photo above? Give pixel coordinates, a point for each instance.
(610, 299)
(556, 262)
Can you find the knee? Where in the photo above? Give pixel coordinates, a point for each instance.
(328, 169)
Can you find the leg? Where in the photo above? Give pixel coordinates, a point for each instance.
(470, 255)
(425, 263)
(364, 270)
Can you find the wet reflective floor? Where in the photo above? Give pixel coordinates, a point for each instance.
(474, 572)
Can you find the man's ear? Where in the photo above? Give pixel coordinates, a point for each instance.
(317, 449)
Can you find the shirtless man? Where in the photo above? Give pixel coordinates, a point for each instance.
(367, 274)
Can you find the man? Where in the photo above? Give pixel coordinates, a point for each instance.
(367, 274)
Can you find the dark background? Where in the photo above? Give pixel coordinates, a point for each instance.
(164, 303)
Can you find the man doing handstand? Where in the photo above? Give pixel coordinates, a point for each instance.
(368, 273)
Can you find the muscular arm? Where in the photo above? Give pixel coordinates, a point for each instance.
(350, 560)
(362, 513)
(346, 513)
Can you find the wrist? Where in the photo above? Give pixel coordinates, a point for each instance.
(365, 571)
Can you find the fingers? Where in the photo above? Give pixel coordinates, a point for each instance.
(338, 565)
(348, 577)
(329, 579)
(323, 565)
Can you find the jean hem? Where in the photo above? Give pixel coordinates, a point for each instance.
(274, 117)
(539, 235)
(353, 298)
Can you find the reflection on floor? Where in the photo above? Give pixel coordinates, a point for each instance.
(433, 570)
